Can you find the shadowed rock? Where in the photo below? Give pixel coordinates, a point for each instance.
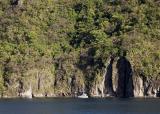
(108, 80)
(14, 2)
(125, 81)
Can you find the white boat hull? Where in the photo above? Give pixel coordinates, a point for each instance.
(84, 96)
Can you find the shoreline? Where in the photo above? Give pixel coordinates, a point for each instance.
(66, 97)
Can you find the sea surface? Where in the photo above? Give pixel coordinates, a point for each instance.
(80, 106)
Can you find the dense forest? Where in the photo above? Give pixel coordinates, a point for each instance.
(53, 41)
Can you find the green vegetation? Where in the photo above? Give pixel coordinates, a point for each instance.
(66, 37)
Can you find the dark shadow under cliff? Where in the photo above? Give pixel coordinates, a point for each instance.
(125, 81)
(108, 79)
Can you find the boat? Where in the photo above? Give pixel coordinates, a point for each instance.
(84, 95)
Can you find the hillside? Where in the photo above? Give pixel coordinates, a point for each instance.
(59, 47)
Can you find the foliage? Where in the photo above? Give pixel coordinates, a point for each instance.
(93, 30)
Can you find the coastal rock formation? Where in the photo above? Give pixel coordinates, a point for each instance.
(105, 48)
(27, 94)
(126, 83)
(138, 87)
(108, 90)
(123, 82)
(118, 80)
(98, 87)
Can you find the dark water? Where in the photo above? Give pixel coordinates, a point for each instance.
(79, 106)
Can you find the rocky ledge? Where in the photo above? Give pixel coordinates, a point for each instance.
(119, 80)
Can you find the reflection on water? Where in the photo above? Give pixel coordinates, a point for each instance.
(79, 106)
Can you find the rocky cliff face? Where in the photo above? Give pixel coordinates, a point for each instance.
(52, 48)
(124, 82)
(119, 80)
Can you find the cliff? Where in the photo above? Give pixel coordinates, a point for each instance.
(119, 80)
(58, 48)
